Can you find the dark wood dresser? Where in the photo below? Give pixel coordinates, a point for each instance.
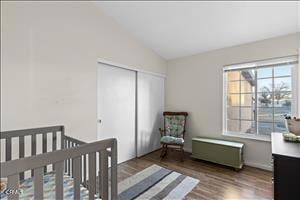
(286, 168)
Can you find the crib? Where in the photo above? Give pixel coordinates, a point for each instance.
(87, 170)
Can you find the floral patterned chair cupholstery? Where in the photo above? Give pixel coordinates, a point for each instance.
(173, 133)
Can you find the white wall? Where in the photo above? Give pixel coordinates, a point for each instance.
(49, 63)
(194, 84)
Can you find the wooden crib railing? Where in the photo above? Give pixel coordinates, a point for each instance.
(75, 158)
(10, 137)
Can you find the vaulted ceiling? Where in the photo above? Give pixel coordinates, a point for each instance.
(176, 29)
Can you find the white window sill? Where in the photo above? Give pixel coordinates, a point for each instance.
(247, 136)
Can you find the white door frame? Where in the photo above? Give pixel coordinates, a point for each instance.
(107, 62)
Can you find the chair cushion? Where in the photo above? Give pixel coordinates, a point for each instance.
(174, 125)
(172, 140)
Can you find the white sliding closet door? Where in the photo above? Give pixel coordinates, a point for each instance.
(150, 107)
(117, 108)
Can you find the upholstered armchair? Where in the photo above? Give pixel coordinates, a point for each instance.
(172, 135)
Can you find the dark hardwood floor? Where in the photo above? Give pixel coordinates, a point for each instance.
(216, 181)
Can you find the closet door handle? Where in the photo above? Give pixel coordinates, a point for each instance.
(99, 120)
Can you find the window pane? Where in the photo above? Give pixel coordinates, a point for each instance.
(247, 86)
(233, 125)
(248, 127)
(265, 114)
(265, 128)
(247, 113)
(282, 99)
(233, 75)
(264, 85)
(264, 72)
(280, 127)
(247, 99)
(233, 87)
(282, 106)
(282, 84)
(233, 113)
(283, 71)
(265, 99)
(233, 100)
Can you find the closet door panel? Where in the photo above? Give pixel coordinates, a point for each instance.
(150, 106)
(117, 108)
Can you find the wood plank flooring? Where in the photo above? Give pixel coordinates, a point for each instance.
(216, 181)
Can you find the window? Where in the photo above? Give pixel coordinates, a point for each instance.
(258, 95)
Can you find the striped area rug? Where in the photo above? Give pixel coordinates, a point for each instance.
(155, 183)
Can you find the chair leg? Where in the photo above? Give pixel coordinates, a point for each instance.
(166, 150)
(182, 153)
(163, 151)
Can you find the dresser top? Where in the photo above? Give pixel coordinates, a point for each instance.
(284, 148)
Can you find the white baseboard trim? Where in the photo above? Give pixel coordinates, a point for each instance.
(259, 166)
(251, 164)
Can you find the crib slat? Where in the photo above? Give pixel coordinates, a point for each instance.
(92, 175)
(81, 169)
(21, 146)
(99, 176)
(62, 137)
(64, 146)
(38, 183)
(54, 141)
(33, 145)
(69, 160)
(33, 148)
(84, 171)
(45, 147)
(76, 170)
(103, 178)
(72, 166)
(59, 179)
(8, 149)
(21, 153)
(114, 170)
(13, 184)
(54, 145)
(44, 142)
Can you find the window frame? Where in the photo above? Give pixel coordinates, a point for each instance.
(256, 65)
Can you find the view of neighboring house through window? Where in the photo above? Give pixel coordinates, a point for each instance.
(258, 95)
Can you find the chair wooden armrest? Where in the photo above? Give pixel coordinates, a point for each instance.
(162, 132)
